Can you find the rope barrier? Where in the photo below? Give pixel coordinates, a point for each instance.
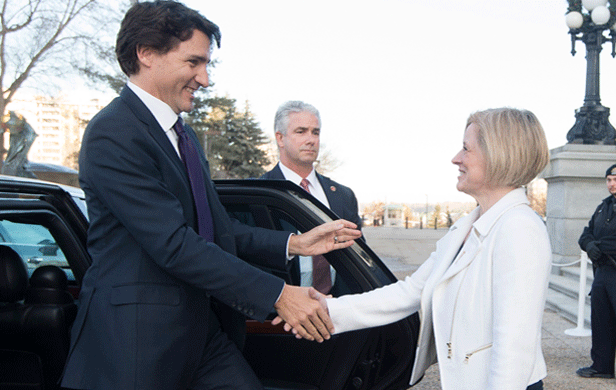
(568, 264)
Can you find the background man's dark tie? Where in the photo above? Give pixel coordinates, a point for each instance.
(321, 276)
(191, 159)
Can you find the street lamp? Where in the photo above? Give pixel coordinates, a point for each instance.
(592, 125)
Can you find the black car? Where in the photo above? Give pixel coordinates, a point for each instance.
(45, 224)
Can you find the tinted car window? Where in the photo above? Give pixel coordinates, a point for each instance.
(273, 217)
(33, 242)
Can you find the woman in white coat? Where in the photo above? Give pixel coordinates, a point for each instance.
(481, 294)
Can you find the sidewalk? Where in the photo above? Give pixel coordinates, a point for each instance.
(404, 250)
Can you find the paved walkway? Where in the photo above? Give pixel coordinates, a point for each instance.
(404, 250)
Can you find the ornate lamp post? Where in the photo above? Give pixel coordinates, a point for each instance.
(592, 125)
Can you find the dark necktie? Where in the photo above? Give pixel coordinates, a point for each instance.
(321, 276)
(191, 159)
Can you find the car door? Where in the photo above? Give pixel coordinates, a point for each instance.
(45, 224)
(378, 358)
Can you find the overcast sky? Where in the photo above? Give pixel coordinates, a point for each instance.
(395, 80)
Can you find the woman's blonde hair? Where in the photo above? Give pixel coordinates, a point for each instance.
(513, 143)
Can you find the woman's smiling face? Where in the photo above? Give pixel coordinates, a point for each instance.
(471, 164)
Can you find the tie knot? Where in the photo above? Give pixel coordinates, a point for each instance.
(179, 127)
(304, 184)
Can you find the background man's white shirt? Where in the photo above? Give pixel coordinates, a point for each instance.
(305, 262)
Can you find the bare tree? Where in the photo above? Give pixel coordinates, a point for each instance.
(42, 39)
(536, 191)
(538, 201)
(376, 210)
(327, 161)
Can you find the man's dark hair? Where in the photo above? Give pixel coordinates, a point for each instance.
(160, 25)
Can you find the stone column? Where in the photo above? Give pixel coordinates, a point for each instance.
(576, 186)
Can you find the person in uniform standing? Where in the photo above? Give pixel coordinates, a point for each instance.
(599, 242)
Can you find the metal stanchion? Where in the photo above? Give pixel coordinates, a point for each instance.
(580, 330)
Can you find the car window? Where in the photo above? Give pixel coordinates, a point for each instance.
(274, 217)
(33, 242)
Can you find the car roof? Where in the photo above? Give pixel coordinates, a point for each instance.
(36, 185)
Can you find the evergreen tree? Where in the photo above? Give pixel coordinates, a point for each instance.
(231, 139)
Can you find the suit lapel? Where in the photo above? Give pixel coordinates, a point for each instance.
(464, 258)
(276, 173)
(335, 202)
(156, 132)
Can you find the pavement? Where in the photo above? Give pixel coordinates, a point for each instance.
(404, 250)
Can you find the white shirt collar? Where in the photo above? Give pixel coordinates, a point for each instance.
(163, 114)
(295, 178)
(315, 185)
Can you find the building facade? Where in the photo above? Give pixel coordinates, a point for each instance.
(59, 123)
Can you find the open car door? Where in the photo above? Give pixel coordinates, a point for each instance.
(377, 358)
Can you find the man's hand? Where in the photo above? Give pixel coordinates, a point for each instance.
(593, 251)
(324, 238)
(317, 296)
(305, 315)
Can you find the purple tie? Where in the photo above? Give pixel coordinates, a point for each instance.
(321, 276)
(191, 159)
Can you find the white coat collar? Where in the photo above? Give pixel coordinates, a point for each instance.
(488, 219)
(484, 223)
(481, 228)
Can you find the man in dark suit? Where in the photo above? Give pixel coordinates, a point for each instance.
(162, 246)
(297, 127)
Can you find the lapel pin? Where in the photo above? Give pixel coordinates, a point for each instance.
(332, 188)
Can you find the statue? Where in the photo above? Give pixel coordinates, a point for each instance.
(22, 137)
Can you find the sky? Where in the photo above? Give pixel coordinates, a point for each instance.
(395, 80)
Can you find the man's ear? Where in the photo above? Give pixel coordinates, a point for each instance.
(145, 55)
(279, 142)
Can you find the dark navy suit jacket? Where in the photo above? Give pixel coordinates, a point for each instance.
(145, 310)
(342, 200)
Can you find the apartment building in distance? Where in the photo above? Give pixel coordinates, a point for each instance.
(59, 123)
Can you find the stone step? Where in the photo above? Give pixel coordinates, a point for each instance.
(569, 286)
(567, 307)
(574, 272)
(564, 290)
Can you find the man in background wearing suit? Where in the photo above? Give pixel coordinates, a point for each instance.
(297, 127)
(162, 246)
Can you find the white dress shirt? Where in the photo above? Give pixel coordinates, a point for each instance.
(163, 114)
(315, 185)
(305, 262)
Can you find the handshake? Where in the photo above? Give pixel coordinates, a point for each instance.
(304, 311)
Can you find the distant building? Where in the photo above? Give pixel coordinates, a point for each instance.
(59, 123)
(393, 215)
